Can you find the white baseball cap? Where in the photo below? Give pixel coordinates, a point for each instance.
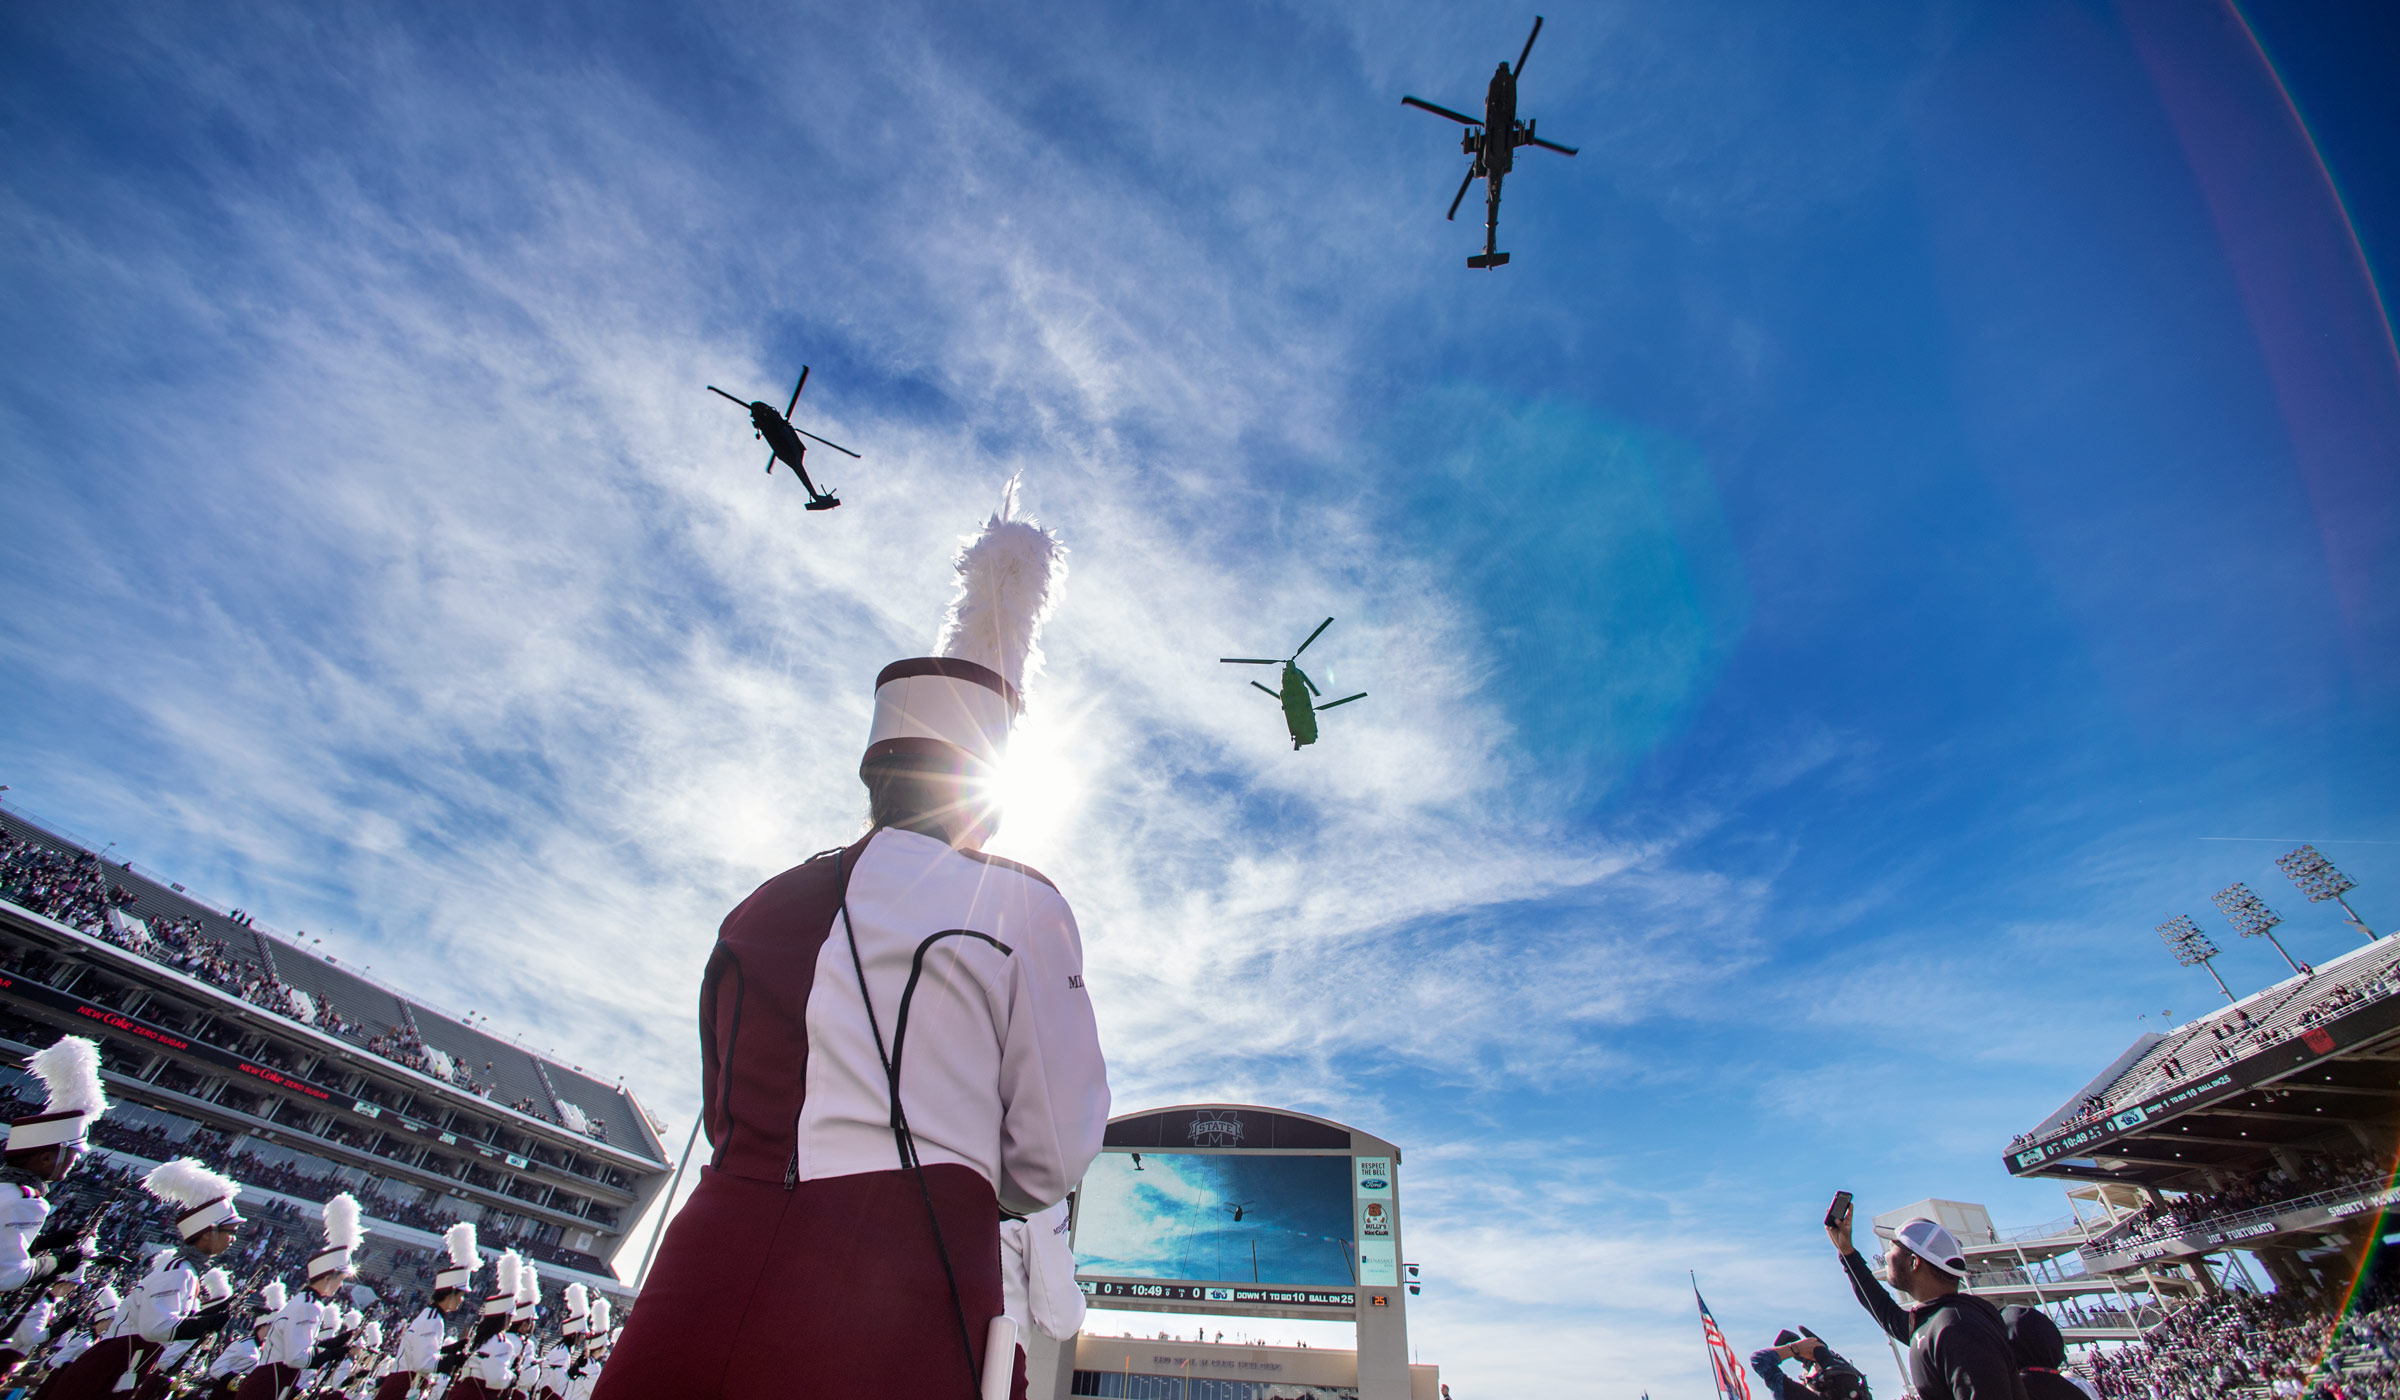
(1927, 1240)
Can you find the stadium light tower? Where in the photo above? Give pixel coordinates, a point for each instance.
(2191, 947)
(2320, 881)
(2251, 917)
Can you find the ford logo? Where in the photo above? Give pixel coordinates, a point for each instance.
(1372, 1183)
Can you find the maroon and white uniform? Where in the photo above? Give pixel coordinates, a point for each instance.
(805, 1262)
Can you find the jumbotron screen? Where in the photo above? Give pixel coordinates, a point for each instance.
(1235, 1218)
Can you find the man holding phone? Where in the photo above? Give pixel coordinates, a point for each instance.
(1957, 1344)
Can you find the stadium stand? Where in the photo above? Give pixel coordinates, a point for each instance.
(300, 1077)
(2264, 1131)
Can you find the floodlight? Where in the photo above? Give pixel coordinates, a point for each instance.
(2318, 878)
(2192, 948)
(2250, 916)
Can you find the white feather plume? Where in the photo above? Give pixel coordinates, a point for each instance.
(599, 1314)
(504, 1273)
(159, 1257)
(274, 1296)
(459, 1240)
(107, 1298)
(70, 1075)
(579, 1300)
(216, 1284)
(1008, 581)
(187, 1182)
(529, 1285)
(342, 1230)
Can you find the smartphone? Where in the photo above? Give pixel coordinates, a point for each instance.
(1839, 1211)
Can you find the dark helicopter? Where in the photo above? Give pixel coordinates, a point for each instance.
(783, 440)
(1493, 143)
(1299, 692)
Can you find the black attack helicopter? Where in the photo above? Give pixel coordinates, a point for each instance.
(1298, 696)
(783, 440)
(1493, 143)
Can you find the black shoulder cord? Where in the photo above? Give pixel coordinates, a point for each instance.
(902, 1138)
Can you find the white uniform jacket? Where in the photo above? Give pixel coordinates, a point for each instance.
(34, 1327)
(292, 1333)
(582, 1386)
(421, 1342)
(551, 1376)
(239, 1358)
(999, 1056)
(161, 1301)
(69, 1347)
(22, 1213)
(495, 1362)
(1037, 1274)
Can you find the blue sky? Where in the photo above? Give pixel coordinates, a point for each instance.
(1918, 511)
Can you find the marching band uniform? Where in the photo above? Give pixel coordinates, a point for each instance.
(72, 1099)
(31, 1330)
(584, 1376)
(212, 1289)
(526, 1365)
(550, 1375)
(421, 1343)
(808, 1234)
(484, 1373)
(295, 1330)
(241, 1357)
(165, 1304)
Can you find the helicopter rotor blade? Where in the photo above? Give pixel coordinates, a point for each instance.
(720, 393)
(1271, 695)
(1460, 197)
(1424, 106)
(1550, 146)
(795, 403)
(1304, 680)
(1519, 70)
(1343, 701)
(1251, 661)
(834, 445)
(1313, 636)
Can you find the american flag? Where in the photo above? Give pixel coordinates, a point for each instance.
(1731, 1383)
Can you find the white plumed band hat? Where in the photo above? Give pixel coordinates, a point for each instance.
(73, 1097)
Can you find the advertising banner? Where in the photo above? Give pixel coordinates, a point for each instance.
(1378, 1223)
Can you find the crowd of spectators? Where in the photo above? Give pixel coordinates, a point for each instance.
(2331, 1171)
(2226, 1039)
(74, 889)
(2281, 1343)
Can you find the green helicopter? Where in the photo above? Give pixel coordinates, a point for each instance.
(1298, 696)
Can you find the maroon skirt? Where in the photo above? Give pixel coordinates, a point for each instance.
(94, 1375)
(268, 1383)
(832, 1289)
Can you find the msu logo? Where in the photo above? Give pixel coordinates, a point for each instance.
(1216, 1128)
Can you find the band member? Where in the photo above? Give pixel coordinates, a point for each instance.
(550, 1375)
(421, 1344)
(294, 1331)
(490, 1357)
(33, 1328)
(584, 1375)
(240, 1356)
(42, 1149)
(896, 1045)
(165, 1306)
(527, 1363)
(212, 1315)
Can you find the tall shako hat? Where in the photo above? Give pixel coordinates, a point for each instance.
(503, 1297)
(596, 1324)
(343, 1233)
(954, 709)
(579, 1309)
(205, 1196)
(529, 1295)
(458, 1242)
(70, 1075)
